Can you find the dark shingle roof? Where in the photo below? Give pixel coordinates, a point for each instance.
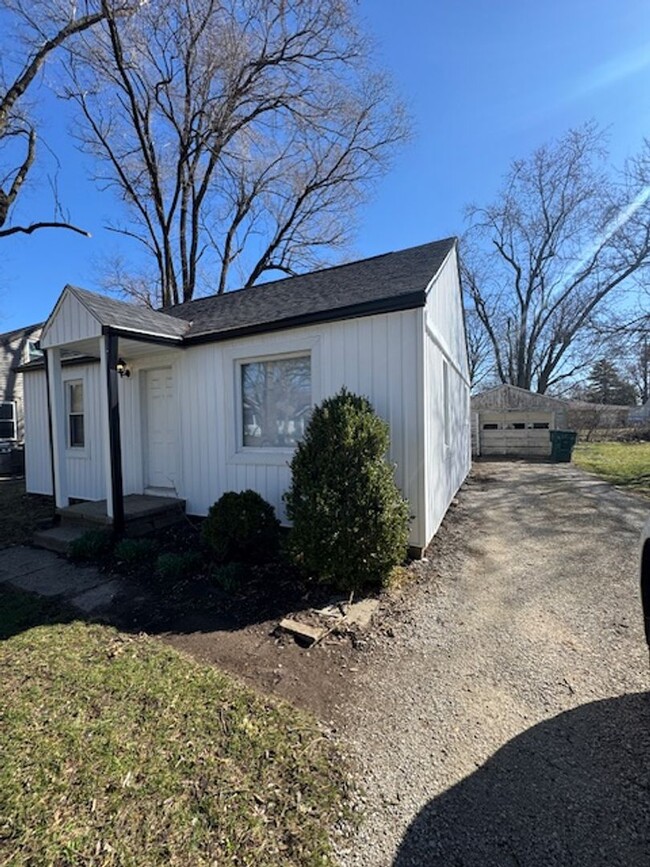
(388, 282)
(129, 317)
(18, 333)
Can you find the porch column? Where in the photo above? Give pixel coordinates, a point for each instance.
(56, 396)
(111, 428)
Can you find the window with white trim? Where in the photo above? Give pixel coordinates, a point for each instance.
(75, 412)
(7, 420)
(275, 401)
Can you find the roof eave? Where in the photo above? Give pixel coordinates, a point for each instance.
(409, 301)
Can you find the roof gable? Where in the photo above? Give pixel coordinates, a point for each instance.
(79, 315)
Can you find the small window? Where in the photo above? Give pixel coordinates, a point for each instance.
(540, 425)
(276, 401)
(33, 351)
(490, 426)
(75, 408)
(7, 420)
(519, 425)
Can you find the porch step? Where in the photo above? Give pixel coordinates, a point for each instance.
(59, 538)
(142, 514)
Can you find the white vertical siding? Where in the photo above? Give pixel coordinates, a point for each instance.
(38, 457)
(444, 342)
(69, 322)
(376, 356)
(84, 467)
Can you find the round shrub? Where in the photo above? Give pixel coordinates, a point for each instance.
(350, 521)
(242, 527)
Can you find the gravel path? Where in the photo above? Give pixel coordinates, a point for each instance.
(506, 720)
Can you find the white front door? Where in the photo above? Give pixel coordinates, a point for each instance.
(160, 432)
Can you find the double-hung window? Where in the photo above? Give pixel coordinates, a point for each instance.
(7, 420)
(75, 413)
(275, 400)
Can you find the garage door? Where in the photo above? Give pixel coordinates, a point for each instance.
(515, 432)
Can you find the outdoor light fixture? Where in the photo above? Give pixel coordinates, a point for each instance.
(122, 368)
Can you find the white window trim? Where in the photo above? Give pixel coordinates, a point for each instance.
(75, 451)
(14, 420)
(271, 350)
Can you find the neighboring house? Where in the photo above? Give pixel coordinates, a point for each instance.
(507, 420)
(16, 348)
(212, 395)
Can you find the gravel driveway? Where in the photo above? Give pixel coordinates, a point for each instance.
(506, 721)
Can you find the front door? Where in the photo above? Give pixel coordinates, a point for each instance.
(160, 432)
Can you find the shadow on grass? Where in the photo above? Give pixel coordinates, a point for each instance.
(573, 790)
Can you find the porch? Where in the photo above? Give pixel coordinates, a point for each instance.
(142, 514)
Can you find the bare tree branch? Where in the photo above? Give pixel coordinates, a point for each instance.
(241, 135)
(564, 237)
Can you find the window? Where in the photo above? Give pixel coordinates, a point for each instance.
(490, 426)
(276, 401)
(7, 420)
(519, 425)
(75, 410)
(540, 425)
(33, 351)
(445, 397)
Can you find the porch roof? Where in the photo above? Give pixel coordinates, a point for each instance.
(79, 315)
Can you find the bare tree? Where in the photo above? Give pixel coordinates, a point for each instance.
(36, 30)
(541, 262)
(240, 134)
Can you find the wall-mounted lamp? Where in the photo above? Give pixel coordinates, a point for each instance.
(122, 368)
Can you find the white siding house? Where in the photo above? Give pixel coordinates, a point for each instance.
(211, 396)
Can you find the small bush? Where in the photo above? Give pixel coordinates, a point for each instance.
(93, 547)
(242, 527)
(178, 567)
(132, 554)
(350, 521)
(229, 577)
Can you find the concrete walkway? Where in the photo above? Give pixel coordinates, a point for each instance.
(47, 574)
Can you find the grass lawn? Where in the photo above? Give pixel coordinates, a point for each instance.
(118, 750)
(20, 513)
(626, 464)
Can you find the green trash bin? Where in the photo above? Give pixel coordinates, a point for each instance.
(562, 443)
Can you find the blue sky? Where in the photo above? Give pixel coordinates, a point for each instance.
(485, 80)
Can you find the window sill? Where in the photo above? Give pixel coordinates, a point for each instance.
(76, 452)
(263, 456)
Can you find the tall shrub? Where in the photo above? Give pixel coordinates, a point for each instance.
(350, 521)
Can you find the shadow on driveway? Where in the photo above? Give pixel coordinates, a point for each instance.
(573, 790)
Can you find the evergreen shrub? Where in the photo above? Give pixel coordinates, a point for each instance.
(350, 521)
(242, 527)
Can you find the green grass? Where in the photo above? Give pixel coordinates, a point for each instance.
(117, 751)
(20, 513)
(625, 464)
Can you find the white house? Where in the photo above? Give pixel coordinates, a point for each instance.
(212, 395)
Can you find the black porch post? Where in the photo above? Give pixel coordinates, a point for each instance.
(114, 439)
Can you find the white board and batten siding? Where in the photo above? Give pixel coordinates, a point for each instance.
(84, 466)
(69, 322)
(375, 356)
(446, 402)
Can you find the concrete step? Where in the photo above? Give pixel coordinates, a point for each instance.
(59, 538)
